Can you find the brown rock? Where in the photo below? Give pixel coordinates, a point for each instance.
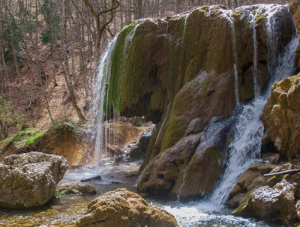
(295, 10)
(247, 182)
(29, 180)
(124, 208)
(281, 116)
(275, 204)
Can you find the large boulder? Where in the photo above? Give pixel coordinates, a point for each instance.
(29, 180)
(124, 208)
(281, 116)
(276, 204)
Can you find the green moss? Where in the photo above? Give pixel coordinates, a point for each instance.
(260, 17)
(237, 13)
(21, 139)
(65, 126)
(32, 139)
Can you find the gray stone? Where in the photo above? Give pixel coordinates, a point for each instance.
(30, 179)
(76, 188)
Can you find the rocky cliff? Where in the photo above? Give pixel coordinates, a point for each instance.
(186, 74)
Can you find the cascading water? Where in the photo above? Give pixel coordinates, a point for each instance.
(228, 15)
(99, 96)
(244, 150)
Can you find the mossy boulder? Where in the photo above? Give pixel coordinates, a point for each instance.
(61, 138)
(281, 116)
(173, 172)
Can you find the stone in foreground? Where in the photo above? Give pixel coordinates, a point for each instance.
(76, 188)
(124, 208)
(30, 179)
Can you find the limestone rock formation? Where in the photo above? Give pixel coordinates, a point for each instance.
(182, 73)
(124, 208)
(295, 10)
(271, 198)
(276, 204)
(247, 182)
(29, 180)
(76, 188)
(281, 116)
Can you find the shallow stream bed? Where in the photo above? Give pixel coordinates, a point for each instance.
(64, 210)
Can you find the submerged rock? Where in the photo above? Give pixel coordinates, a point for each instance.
(281, 116)
(29, 180)
(124, 208)
(76, 188)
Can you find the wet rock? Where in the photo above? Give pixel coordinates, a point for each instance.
(160, 177)
(271, 158)
(275, 204)
(76, 188)
(247, 182)
(139, 151)
(174, 171)
(96, 178)
(124, 208)
(30, 180)
(281, 116)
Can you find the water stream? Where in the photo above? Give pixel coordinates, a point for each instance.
(244, 150)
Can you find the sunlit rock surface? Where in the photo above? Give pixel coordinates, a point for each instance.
(281, 116)
(124, 208)
(276, 204)
(247, 182)
(29, 180)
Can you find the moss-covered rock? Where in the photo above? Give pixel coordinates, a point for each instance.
(180, 69)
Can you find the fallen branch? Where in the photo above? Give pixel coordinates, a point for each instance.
(291, 171)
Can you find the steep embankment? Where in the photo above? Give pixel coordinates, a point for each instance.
(187, 73)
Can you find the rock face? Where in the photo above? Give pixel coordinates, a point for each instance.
(295, 10)
(139, 151)
(29, 180)
(76, 188)
(247, 182)
(281, 116)
(124, 208)
(276, 204)
(180, 74)
(273, 198)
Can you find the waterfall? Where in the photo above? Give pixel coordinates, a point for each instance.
(244, 149)
(100, 88)
(227, 14)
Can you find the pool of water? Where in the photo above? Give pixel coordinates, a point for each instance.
(66, 209)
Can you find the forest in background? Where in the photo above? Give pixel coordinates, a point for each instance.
(50, 45)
